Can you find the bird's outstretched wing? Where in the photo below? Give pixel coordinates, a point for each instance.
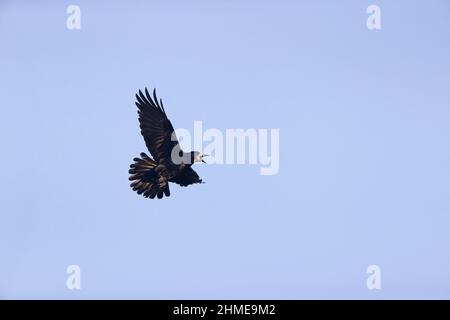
(187, 177)
(156, 129)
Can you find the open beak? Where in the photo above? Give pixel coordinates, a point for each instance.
(204, 155)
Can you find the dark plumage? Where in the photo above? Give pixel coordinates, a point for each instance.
(151, 177)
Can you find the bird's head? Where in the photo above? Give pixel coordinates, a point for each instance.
(197, 157)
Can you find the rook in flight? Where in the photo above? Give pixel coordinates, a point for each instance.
(151, 177)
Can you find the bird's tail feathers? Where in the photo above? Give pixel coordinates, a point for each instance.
(146, 180)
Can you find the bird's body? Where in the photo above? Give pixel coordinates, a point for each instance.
(151, 177)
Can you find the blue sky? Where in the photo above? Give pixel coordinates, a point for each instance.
(364, 149)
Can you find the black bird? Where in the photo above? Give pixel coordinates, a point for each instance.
(151, 177)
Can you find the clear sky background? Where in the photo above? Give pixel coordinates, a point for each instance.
(364, 149)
